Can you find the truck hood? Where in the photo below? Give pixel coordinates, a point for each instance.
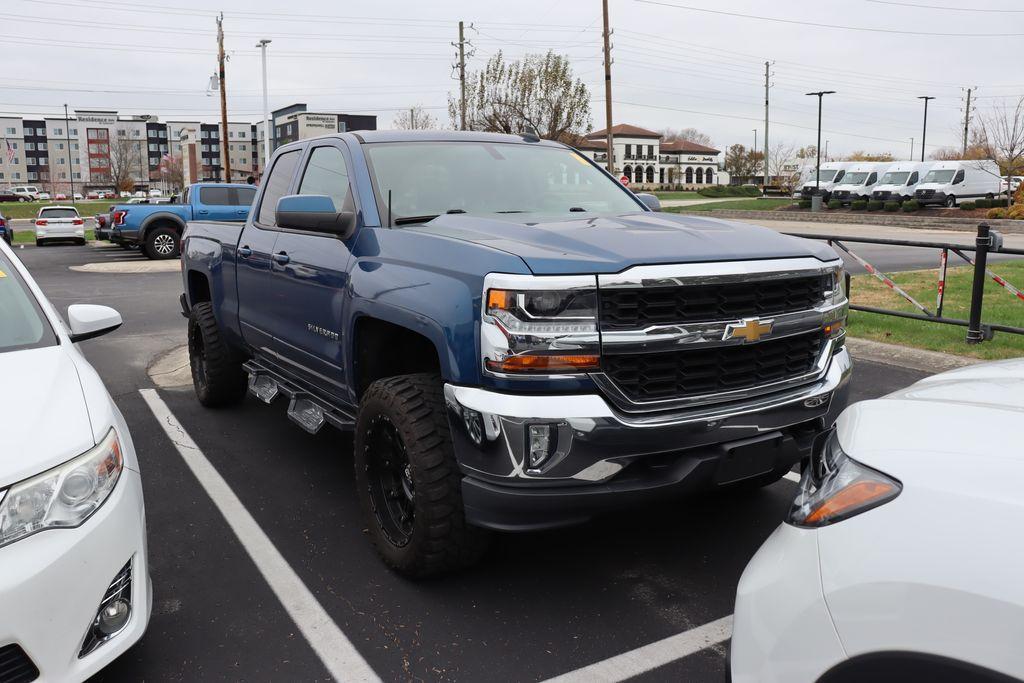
(610, 244)
(43, 413)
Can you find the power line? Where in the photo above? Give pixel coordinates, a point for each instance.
(948, 9)
(835, 26)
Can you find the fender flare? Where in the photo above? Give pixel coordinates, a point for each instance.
(161, 217)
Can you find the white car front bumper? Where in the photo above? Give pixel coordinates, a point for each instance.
(782, 630)
(52, 583)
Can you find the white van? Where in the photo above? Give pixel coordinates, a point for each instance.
(832, 173)
(901, 180)
(949, 182)
(860, 181)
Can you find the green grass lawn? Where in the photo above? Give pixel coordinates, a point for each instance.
(678, 195)
(735, 205)
(31, 209)
(999, 307)
(23, 236)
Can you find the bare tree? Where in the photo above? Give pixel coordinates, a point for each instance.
(784, 164)
(687, 134)
(172, 171)
(125, 162)
(538, 93)
(1003, 126)
(860, 155)
(414, 118)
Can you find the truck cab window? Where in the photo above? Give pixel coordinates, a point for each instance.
(278, 182)
(326, 174)
(215, 196)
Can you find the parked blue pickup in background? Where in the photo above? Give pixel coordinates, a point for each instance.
(157, 228)
(517, 341)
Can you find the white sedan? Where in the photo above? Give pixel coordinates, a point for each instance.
(902, 558)
(74, 575)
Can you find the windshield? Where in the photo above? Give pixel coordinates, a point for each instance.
(939, 176)
(24, 326)
(825, 176)
(895, 177)
(427, 179)
(58, 213)
(855, 178)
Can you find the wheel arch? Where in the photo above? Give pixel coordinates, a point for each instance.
(159, 220)
(899, 666)
(389, 346)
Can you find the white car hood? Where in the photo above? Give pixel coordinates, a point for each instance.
(44, 419)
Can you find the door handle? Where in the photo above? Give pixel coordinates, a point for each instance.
(203, 211)
(242, 212)
(281, 257)
(245, 252)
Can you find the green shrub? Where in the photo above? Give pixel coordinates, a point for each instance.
(970, 206)
(858, 205)
(722, 191)
(996, 213)
(982, 204)
(875, 205)
(911, 206)
(835, 204)
(891, 206)
(805, 203)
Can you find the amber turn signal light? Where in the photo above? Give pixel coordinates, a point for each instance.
(541, 364)
(857, 495)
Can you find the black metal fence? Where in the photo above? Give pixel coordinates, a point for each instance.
(987, 241)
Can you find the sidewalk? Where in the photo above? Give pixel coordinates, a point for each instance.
(916, 222)
(965, 235)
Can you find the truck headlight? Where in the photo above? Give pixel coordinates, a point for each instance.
(63, 497)
(539, 325)
(834, 487)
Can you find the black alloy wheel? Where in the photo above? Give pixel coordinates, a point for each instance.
(389, 477)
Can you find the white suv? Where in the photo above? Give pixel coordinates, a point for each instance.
(59, 223)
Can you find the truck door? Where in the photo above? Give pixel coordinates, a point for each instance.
(311, 279)
(222, 203)
(256, 244)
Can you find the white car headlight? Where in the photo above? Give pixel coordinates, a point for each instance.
(63, 497)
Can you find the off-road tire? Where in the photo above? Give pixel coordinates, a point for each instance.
(162, 243)
(440, 540)
(217, 373)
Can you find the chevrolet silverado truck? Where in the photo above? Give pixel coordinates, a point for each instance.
(157, 228)
(516, 340)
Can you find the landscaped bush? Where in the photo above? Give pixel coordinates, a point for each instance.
(996, 213)
(858, 205)
(875, 205)
(911, 206)
(983, 204)
(835, 204)
(722, 191)
(970, 206)
(805, 203)
(1016, 212)
(891, 206)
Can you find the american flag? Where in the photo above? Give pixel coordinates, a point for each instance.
(10, 152)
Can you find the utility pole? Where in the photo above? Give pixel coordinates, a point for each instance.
(754, 150)
(266, 108)
(225, 157)
(911, 149)
(924, 131)
(608, 88)
(71, 169)
(967, 120)
(462, 77)
(766, 86)
(412, 118)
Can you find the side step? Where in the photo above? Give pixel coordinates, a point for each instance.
(305, 409)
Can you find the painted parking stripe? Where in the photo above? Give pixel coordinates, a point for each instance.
(648, 657)
(335, 650)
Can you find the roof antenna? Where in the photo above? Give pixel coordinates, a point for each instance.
(389, 208)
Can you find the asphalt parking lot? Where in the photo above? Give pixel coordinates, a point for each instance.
(538, 606)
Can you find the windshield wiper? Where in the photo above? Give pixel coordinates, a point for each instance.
(405, 220)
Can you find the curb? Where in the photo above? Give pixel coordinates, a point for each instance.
(860, 218)
(931, 362)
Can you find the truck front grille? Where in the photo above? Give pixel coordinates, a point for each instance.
(623, 309)
(645, 377)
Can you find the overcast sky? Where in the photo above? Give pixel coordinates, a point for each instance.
(673, 66)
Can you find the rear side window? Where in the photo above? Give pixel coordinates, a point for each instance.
(215, 196)
(58, 213)
(326, 174)
(24, 325)
(245, 195)
(277, 184)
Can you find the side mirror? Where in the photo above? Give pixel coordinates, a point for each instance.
(316, 213)
(89, 320)
(650, 201)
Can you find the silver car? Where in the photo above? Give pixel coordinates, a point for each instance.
(59, 223)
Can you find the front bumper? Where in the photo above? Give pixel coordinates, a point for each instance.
(603, 459)
(782, 629)
(930, 198)
(51, 585)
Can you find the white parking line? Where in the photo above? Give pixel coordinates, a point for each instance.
(335, 650)
(648, 657)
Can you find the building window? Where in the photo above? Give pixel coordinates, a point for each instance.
(700, 176)
(689, 175)
(60, 161)
(136, 133)
(30, 146)
(42, 146)
(153, 147)
(709, 176)
(121, 132)
(60, 145)
(661, 175)
(17, 176)
(163, 134)
(74, 131)
(650, 151)
(78, 175)
(58, 131)
(10, 131)
(628, 171)
(629, 151)
(151, 133)
(241, 134)
(33, 175)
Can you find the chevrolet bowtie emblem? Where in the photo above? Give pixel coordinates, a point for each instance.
(748, 329)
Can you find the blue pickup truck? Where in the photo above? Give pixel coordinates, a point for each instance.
(157, 228)
(516, 341)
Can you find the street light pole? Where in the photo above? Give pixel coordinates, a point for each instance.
(266, 109)
(71, 169)
(925, 129)
(817, 171)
